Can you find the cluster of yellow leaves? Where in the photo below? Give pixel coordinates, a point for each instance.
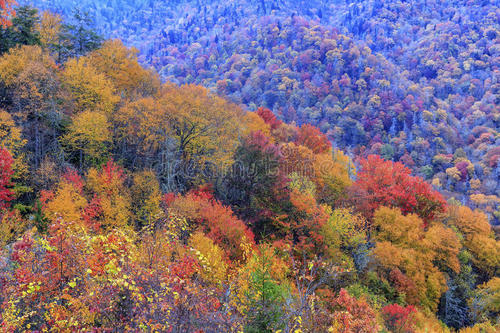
(11, 139)
(67, 203)
(211, 258)
(90, 90)
(204, 126)
(19, 59)
(146, 196)
(343, 229)
(90, 133)
(113, 195)
(478, 237)
(120, 65)
(403, 243)
(252, 122)
(49, 29)
(332, 175)
(11, 226)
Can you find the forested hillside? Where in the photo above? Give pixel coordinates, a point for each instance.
(267, 166)
(416, 83)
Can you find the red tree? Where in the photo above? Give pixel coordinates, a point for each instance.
(6, 195)
(387, 183)
(311, 137)
(399, 319)
(269, 117)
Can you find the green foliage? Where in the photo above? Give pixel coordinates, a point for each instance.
(22, 31)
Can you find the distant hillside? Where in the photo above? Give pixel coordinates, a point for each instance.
(415, 83)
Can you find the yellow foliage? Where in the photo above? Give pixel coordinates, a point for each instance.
(453, 173)
(204, 126)
(343, 229)
(467, 221)
(120, 65)
(332, 175)
(252, 122)
(89, 89)
(211, 258)
(49, 29)
(146, 195)
(445, 244)
(67, 203)
(155, 251)
(11, 139)
(114, 198)
(481, 328)
(11, 226)
(402, 243)
(18, 59)
(388, 255)
(486, 253)
(401, 230)
(491, 293)
(90, 133)
(426, 323)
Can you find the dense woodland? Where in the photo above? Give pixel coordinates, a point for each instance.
(279, 175)
(416, 82)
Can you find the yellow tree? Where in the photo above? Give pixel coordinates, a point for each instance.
(89, 135)
(486, 303)
(478, 238)
(332, 172)
(188, 122)
(49, 28)
(66, 201)
(31, 76)
(11, 139)
(205, 125)
(109, 188)
(402, 244)
(146, 195)
(51, 32)
(252, 122)
(120, 65)
(89, 89)
(211, 257)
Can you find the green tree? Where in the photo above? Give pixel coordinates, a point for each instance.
(22, 31)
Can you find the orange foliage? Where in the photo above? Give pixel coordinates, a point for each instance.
(217, 221)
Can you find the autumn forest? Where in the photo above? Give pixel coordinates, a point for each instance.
(278, 166)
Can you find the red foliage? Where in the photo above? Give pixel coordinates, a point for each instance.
(217, 221)
(404, 285)
(269, 117)
(6, 10)
(111, 171)
(6, 195)
(185, 267)
(167, 199)
(311, 137)
(73, 178)
(92, 212)
(205, 191)
(399, 319)
(386, 183)
(353, 315)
